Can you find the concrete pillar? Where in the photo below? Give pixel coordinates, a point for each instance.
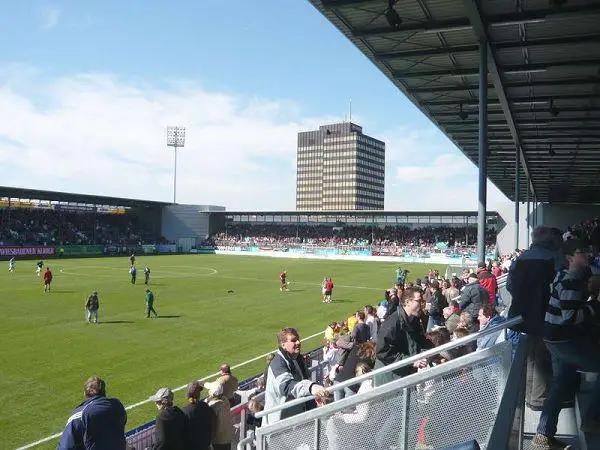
(483, 150)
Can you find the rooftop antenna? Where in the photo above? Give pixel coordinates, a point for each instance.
(350, 111)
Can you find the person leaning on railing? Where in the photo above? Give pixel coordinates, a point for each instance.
(287, 377)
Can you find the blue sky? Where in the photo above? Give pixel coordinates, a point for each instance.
(89, 87)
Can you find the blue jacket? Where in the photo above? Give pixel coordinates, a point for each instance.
(97, 424)
(489, 340)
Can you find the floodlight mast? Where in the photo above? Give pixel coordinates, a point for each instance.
(175, 139)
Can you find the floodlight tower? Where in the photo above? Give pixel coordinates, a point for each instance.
(175, 139)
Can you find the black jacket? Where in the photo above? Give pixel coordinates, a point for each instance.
(472, 298)
(400, 337)
(529, 280)
(437, 304)
(200, 420)
(171, 430)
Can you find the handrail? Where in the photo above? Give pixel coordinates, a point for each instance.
(511, 398)
(249, 438)
(405, 362)
(385, 390)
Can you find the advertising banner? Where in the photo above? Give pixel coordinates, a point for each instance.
(80, 250)
(27, 251)
(148, 248)
(166, 248)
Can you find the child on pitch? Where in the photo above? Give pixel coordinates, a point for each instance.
(11, 264)
(39, 265)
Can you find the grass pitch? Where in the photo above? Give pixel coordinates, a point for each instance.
(48, 350)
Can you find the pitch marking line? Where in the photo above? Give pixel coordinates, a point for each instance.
(143, 402)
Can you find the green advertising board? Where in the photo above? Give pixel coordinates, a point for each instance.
(79, 250)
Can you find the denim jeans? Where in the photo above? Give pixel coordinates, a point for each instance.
(567, 358)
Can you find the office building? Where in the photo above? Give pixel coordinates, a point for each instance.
(339, 168)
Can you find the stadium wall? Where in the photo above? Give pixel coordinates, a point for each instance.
(187, 225)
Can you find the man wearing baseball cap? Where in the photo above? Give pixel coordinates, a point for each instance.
(171, 423)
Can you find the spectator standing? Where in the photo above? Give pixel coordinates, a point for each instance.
(146, 274)
(473, 297)
(201, 419)
(401, 336)
(488, 281)
(528, 282)
(287, 377)
(223, 429)
(361, 332)
(170, 432)
(133, 273)
(437, 303)
(230, 384)
(371, 322)
(571, 336)
(97, 423)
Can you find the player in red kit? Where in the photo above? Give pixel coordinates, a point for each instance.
(47, 279)
(282, 277)
(328, 290)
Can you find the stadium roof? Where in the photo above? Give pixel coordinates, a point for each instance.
(543, 74)
(33, 194)
(358, 213)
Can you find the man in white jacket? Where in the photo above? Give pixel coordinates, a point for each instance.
(287, 378)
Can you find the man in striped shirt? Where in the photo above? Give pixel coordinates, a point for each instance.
(570, 336)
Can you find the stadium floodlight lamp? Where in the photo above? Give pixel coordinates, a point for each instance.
(175, 139)
(176, 136)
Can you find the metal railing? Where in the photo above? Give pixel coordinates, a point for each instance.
(404, 413)
(399, 364)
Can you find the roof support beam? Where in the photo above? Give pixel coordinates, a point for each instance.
(519, 68)
(491, 102)
(458, 24)
(516, 84)
(424, 52)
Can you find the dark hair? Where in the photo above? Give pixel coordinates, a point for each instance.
(409, 294)
(571, 246)
(488, 311)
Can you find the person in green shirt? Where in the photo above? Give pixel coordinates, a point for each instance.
(150, 303)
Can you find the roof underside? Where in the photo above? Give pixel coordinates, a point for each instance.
(543, 74)
(33, 194)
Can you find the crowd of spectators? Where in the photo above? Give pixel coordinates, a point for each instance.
(414, 316)
(459, 240)
(37, 226)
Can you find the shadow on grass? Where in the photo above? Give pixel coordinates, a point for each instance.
(341, 300)
(61, 291)
(167, 317)
(115, 321)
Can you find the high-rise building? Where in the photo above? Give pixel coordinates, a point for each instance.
(339, 168)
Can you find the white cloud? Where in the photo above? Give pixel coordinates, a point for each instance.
(92, 133)
(442, 167)
(97, 134)
(49, 17)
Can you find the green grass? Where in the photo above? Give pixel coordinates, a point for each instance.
(47, 350)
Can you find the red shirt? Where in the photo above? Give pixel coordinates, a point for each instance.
(496, 271)
(282, 275)
(47, 275)
(329, 285)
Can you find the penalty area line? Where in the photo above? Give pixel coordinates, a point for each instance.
(143, 402)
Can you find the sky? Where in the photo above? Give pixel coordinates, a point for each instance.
(87, 90)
